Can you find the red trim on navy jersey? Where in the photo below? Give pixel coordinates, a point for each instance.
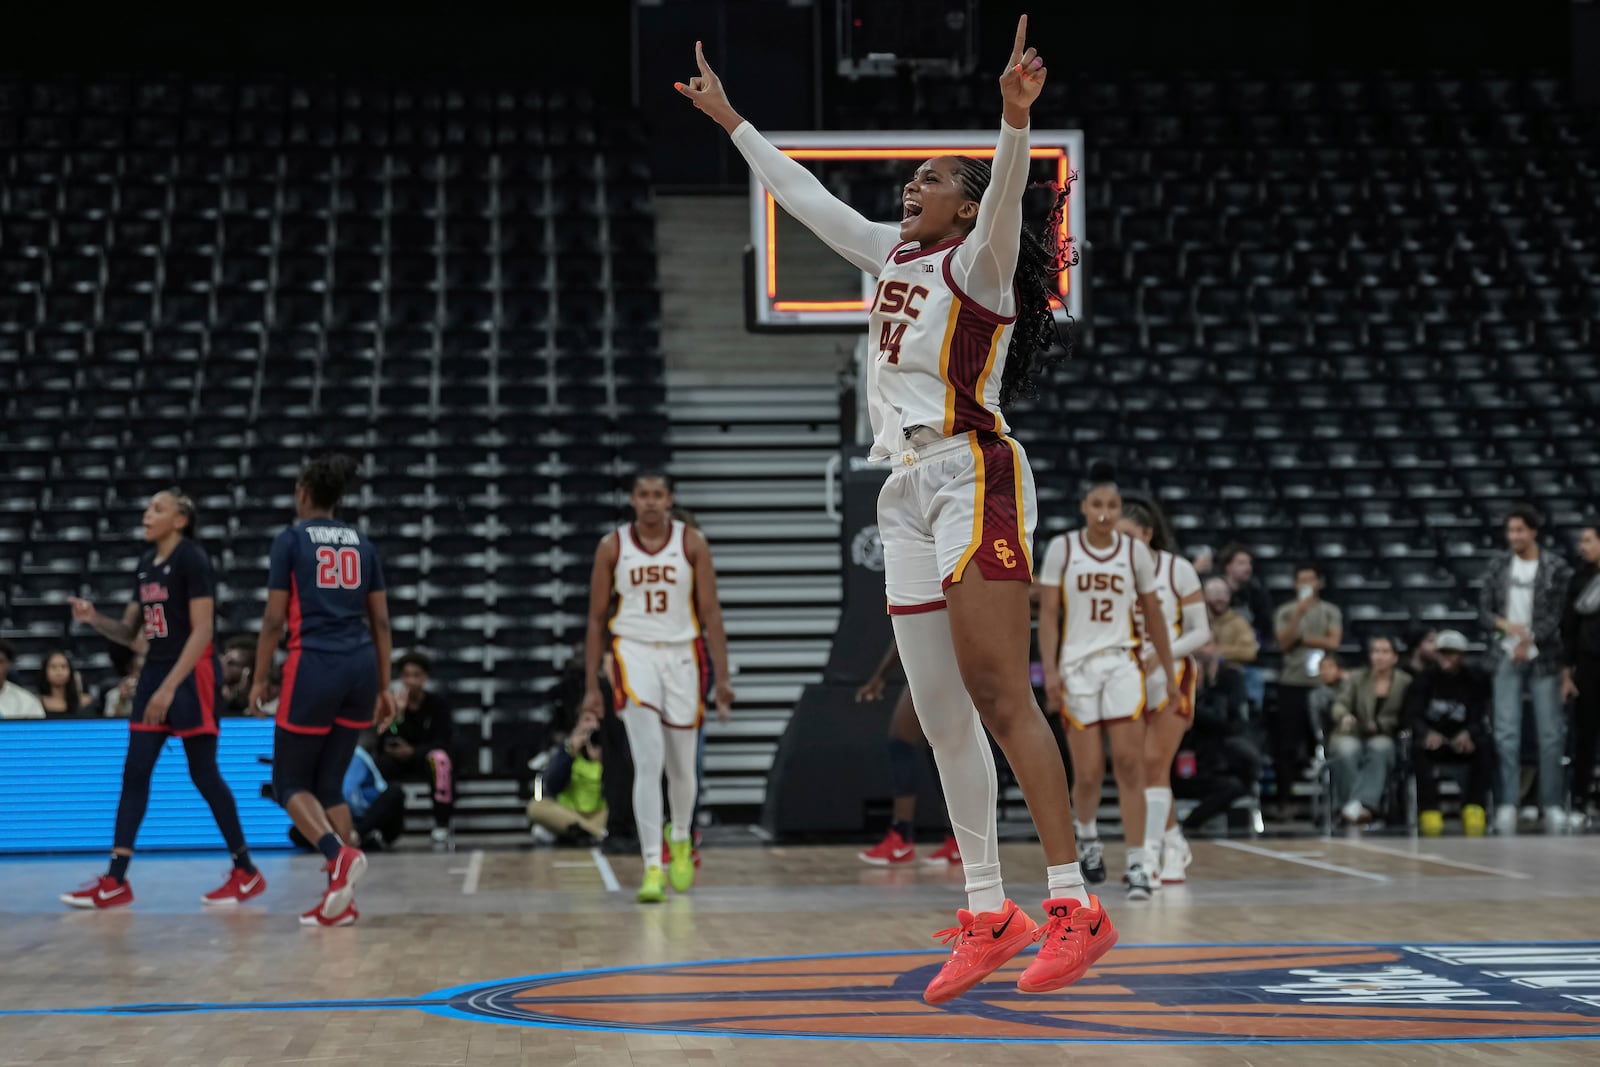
(353, 725)
(294, 613)
(291, 671)
(978, 310)
(205, 686)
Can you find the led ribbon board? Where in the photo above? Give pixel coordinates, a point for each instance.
(777, 306)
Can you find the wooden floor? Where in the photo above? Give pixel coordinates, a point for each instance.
(1440, 951)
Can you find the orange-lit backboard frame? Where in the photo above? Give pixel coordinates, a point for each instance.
(1064, 147)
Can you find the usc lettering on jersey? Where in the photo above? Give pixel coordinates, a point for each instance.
(654, 590)
(940, 355)
(1100, 592)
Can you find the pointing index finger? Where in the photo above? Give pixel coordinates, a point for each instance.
(1021, 41)
(700, 59)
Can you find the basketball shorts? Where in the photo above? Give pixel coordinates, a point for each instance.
(194, 706)
(1106, 687)
(956, 503)
(321, 689)
(1156, 689)
(668, 677)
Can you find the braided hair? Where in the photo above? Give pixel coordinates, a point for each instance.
(326, 478)
(185, 505)
(1036, 340)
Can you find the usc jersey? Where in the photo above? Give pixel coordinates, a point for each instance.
(654, 590)
(1099, 591)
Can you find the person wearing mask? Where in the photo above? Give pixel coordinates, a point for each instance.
(15, 701)
(1236, 641)
(1580, 675)
(1308, 629)
(62, 693)
(1522, 602)
(1448, 709)
(417, 744)
(1366, 717)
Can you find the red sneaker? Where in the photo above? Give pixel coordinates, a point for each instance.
(891, 850)
(948, 853)
(1070, 942)
(983, 944)
(343, 874)
(238, 888)
(314, 917)
(103, 892)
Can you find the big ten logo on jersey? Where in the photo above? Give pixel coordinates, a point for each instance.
(896, 298)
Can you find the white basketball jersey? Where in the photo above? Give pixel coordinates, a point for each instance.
(938, 355)
(654, 590)
(1175, 579)
(1099, 592)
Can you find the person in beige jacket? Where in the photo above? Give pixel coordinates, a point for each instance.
(1366, 717)
(1235, 639)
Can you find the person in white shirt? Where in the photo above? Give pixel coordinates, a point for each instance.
(15, 701)
(1188, 625)
(1522, 601)
(962, 323)
(1096, 583)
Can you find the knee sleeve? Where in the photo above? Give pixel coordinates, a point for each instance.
(902, 768)
(443, 775)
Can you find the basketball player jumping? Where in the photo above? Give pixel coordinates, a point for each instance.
(962, 321)
(658, 573)
(1183, 614)
(1100, 580)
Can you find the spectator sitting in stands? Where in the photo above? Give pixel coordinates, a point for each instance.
(1367, 713)
(15, 701)
(1235, 640)
(1448, 709)
(1421, 645)
(119, 698)
(62, 693)
(417, 744)
(237, 658)
(1522, 602)
(1202, 559)
(1308, 628)
(377, 808)
(1227, 762)
(1237, 567)
(573, 806)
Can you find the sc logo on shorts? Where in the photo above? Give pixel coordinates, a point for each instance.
(1002, 551)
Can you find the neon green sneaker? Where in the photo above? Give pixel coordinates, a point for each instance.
(680, 871)
(653, 890)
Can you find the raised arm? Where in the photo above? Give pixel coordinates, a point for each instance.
(986, 263)
(124, 631)
(840, 226)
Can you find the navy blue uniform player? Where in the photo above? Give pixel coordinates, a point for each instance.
(178, 693)
(325, 588)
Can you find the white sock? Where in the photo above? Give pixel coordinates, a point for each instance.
(1086, 829)
(1138, 857)
(1173, 836)
(1157, 805)
(647, 745)
(984, 889)
(1066, 883)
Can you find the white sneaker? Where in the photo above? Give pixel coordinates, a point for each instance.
(1175, 859)
(443, 840)
(1138, 880)
(1555, 821)
(1505, 820)
(1351, 811)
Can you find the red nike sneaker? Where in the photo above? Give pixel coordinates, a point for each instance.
(343, 874)
(891, 850)
(314, 917)
(984, 943)
(103, 892)
(948, 853)
(1070, 942)
(238, 888)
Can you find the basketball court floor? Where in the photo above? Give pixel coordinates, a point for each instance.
(1379, 950)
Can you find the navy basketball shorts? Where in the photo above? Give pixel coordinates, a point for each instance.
(194, 706)
(324, 689)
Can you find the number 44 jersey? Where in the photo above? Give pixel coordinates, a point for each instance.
(327, 568)
(654, 590)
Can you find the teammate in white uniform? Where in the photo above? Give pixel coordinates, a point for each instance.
(654, 585)
(1101, 580)
(961, 319)
(1183, 615)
